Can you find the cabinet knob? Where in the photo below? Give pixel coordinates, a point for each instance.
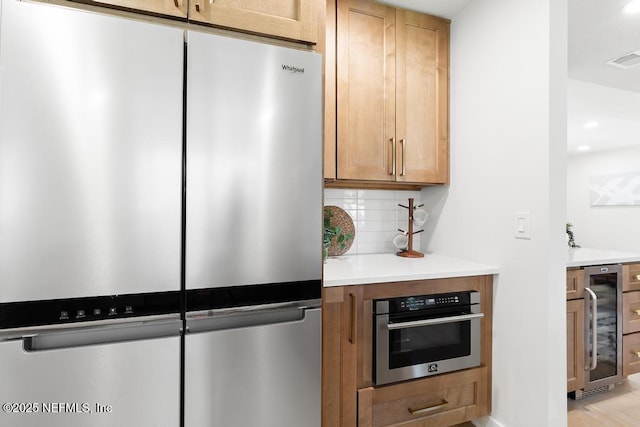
(637, 312)
(638, 354)
(637, 276)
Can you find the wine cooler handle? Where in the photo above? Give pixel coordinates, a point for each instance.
(594, 329)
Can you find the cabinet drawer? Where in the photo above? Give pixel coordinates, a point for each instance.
(575, 284)
(631, 277)
(441, 400)
(630, 354)
(630, 312)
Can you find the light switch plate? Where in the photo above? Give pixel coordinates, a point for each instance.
(522, 225)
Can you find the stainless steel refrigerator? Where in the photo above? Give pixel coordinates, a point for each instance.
(253, 239)
(160, 221)
(90, 218)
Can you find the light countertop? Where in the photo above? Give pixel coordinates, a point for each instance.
(381, 268)
(580, 257)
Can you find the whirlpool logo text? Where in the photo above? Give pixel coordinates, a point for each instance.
(292, 69)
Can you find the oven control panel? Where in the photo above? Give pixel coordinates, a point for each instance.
(424, 302)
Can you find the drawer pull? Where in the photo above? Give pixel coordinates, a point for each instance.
(637, 276)
(428, 409)
(637, 312)
(638, 354)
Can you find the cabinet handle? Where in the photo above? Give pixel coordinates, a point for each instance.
(637, 312)
(197, 6)
(427, 409)
(637, 276)
(403, 143)
(352, 319)
(638, 354)
(176, 3)
(393, 156)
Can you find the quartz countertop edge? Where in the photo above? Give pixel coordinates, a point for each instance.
(582, 257)
(383, 268)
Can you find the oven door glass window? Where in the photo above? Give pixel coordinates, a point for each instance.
(424, 344)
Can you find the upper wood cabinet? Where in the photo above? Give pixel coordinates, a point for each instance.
(288, 19)
(391, 104)
(174, 8)
(294, 20)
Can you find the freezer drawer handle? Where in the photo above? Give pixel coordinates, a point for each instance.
(245, 319)
(101, 335)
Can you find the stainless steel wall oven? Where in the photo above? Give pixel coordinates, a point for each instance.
(425, 335)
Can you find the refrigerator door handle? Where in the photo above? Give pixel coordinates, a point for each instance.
(209, 321)
(163, 326)
(594, 330)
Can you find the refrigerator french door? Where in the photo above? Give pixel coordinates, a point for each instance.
(90, 218)
(253, 239)
(603, 328)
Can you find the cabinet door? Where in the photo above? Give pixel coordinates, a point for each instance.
(365, 91)
(575, 344)
(289, 19)
(575, 284)
(631, 354)
(422, 98)
(340, 332)
(176, 8)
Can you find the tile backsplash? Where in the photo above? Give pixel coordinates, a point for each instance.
(376, 217)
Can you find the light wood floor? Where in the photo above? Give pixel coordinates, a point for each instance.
(619, 407)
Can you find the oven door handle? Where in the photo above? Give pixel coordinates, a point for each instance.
(439, 320)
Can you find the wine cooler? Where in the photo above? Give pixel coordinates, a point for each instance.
(603, 329)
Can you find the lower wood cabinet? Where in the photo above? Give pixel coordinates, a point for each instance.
(576, 324)
(631, 312)
(631, 354)
(631, 277)
(575, 344)
(631, 319)
(349, 396)
(442, 400)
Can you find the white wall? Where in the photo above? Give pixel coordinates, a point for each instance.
(508, 144)
(603, 227)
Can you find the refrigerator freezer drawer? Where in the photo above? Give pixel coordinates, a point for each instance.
(266, 376)
(126, 384)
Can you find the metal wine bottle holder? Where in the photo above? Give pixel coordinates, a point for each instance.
(409, 252)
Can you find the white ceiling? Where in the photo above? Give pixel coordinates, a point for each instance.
(599, 30)
(443, 8)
